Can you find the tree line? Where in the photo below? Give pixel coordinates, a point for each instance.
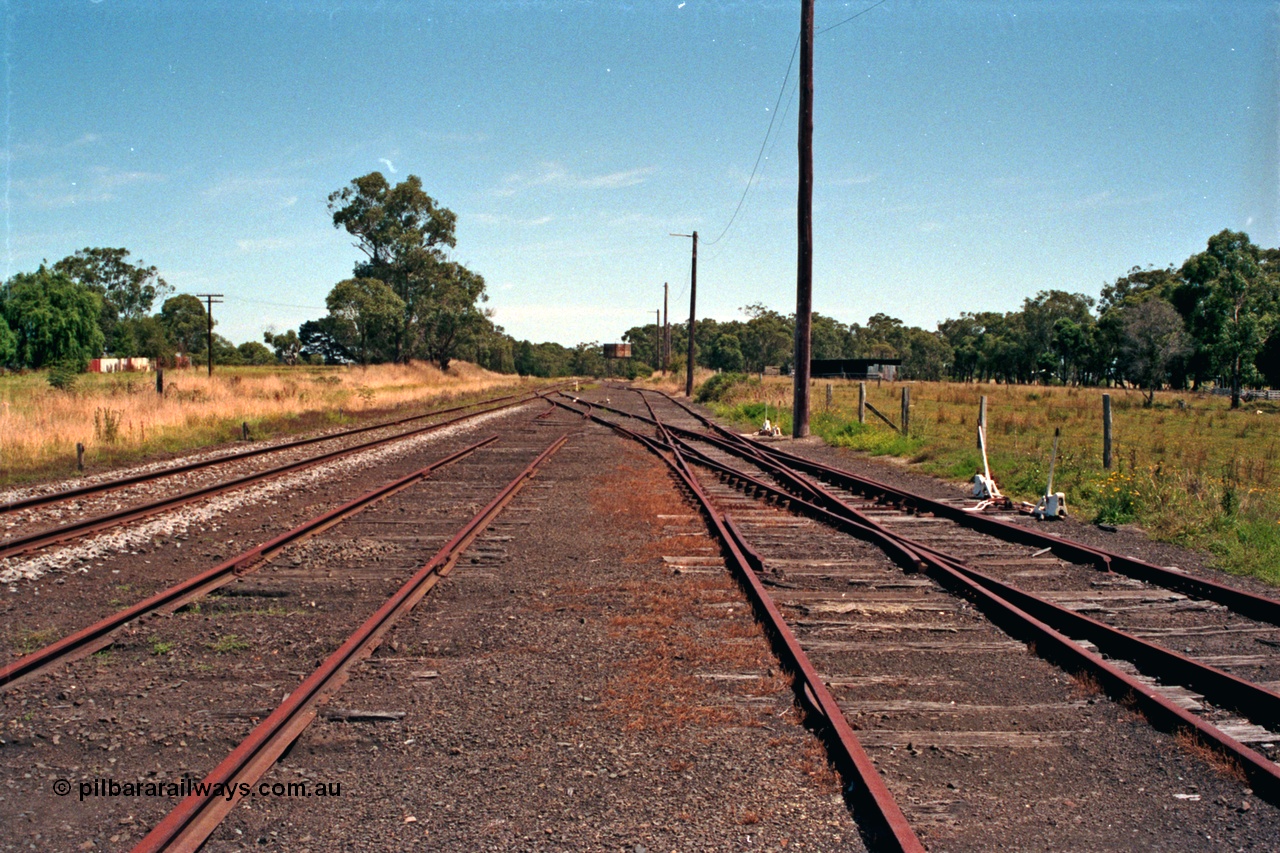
(98, 302)
(1210, 320)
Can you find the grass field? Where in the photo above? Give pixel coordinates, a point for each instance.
(1187, 470)
(120, 418)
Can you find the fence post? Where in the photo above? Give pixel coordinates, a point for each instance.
(828, 396)
(244, 431)
(982, 418)
(862, 402)
(79, 456)
(906, 410)
(160, 381)
(1106, 431)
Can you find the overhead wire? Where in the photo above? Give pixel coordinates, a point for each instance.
(774, 117)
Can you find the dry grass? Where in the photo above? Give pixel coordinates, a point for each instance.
(120, 417)
(1187, 469)
(1222, 764)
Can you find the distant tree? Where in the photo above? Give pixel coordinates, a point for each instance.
(328, 339)
(927, 356)
(447, 310)
(1051, 347)
(128, 288)
(8, 343)
(372, 309)
(727, 354)
(252, 352)
(1230, 296)
(827, 337)
(403, 234)
(287, 346)
(1153, 338)
(225, 352)
(53, 319)
(186, 323)
(768, 338)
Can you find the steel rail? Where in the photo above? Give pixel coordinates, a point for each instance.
(90, 639)
(148, 476)
(75, 530)
(194, 819)
(873, 801)
(1258, 703)
(1026, 615)
(1248, 604)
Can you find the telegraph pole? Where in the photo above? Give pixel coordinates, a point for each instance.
(804, 228)
(657, 340)
(210, 299)
(693, 303)
(666, 331)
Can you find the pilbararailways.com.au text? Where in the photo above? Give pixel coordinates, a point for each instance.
(186, 787)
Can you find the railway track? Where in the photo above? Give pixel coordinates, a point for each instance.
(27, 530)
(953, 725)
(1215, 691)
(242, 636)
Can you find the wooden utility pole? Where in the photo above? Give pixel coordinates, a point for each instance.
(666, 331)
(693, 304)
(657, 340)
(210, 299)
(804, 229)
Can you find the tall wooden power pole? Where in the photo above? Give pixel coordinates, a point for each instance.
(657, 340)
(666, 331)
(210, 299)
(804, 228)
(693, 304)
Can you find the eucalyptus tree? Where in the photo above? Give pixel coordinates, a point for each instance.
(371, 309)
(1230, 297)
(404, 234)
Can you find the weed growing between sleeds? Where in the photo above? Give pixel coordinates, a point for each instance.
(1187, 469)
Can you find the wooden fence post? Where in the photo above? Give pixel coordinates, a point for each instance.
(906, 410)
(1106, 431)
(862, 402)
(79, 456)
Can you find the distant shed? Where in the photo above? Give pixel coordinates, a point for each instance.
(854, 368)
(617, 350)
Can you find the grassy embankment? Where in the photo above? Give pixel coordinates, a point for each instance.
(120, 418)
(1187, 470)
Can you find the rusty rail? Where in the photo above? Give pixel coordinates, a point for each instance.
(98, 635)
(1045, 623)
(134, 479)
(191, 822)
(888, 829)
(75, 530)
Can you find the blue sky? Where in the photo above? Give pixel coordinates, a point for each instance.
(967, 154)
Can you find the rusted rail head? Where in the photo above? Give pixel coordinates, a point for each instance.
(195, 818)
(880, 817)
(90, 639)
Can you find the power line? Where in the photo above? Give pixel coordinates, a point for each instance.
(851, 18)
(774, 115)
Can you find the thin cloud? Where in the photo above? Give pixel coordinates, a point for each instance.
(262, 245)
(557, 176)
(390, 166)
(500, 219)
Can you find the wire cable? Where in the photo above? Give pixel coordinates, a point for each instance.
(774, 115)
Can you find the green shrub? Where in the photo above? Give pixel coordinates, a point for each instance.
(717, 388)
